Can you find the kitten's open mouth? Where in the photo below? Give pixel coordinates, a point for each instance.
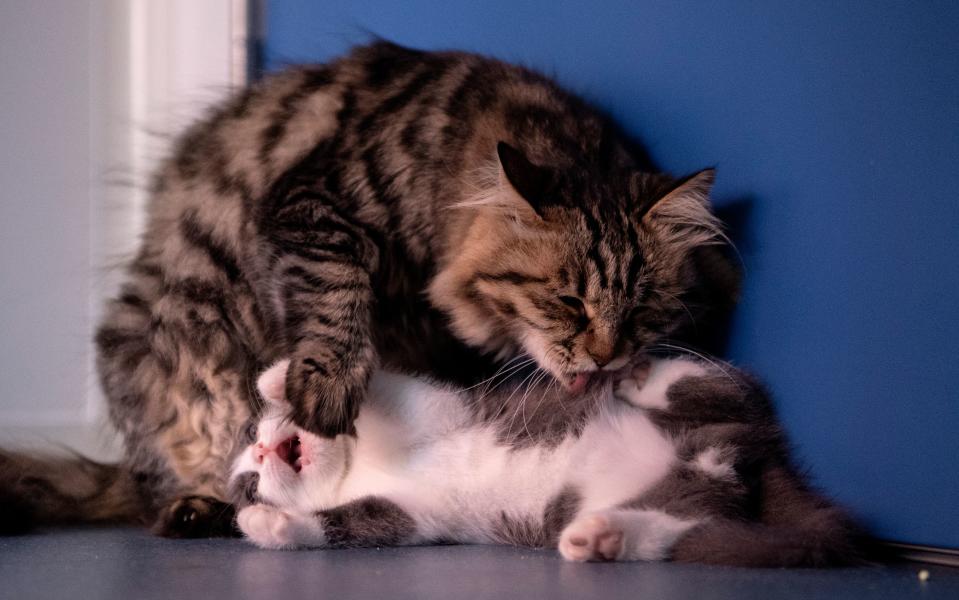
(289, 452)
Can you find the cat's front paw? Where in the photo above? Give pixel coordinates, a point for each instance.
(195, 517)
(267, 526)
(323, 404)
(591, 538)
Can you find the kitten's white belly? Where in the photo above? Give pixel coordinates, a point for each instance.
(619, 455)
(463, 479)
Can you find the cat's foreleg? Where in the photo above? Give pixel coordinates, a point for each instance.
(320, 274)
(622, 535)
(366, 522)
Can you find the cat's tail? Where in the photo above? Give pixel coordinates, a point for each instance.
(44, 490)
(798, 528)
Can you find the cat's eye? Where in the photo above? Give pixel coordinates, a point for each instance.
(575, 304)
(250, 432)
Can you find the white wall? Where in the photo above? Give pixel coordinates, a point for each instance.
(86, 87)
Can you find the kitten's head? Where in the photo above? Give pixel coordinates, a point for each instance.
(283, 465)
(582, 268)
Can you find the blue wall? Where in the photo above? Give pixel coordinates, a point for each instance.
(837, 123)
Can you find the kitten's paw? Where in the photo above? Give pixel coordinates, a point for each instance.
(267, 526)
(593, 537)
(630, 387)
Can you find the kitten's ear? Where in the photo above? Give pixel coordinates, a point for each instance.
(272, 383)
(532, 182)
(684, 210)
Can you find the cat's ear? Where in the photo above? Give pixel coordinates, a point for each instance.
(683, 211)
(272, 383)
(531, 182)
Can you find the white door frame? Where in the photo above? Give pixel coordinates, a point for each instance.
(155, 66)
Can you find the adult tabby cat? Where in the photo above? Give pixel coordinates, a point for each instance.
(415, 209)
(686, 461)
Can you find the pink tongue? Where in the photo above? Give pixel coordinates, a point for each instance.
(579, 383)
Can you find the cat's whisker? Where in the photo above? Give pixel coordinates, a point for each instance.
(516, 410)
(718, 365)
(505, 404)
(539, 374)
(692, 319)
(506, 377)
(529, 388)
(502, 376)
(507, 369)
(497, 373)
(545, 394)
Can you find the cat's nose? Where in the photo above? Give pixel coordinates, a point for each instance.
(601, 361)
(601, 354)
(601, 345)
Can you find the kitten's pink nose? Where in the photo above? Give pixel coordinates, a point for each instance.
(260, 451)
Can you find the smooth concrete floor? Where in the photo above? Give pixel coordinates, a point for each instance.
(130, 564)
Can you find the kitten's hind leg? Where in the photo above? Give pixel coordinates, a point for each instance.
(622, 535)
(366, 522)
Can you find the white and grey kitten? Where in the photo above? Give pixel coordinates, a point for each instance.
(678, 460)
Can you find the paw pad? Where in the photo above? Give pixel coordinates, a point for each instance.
(591, 538)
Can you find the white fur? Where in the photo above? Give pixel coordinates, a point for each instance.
(711, 462)
(418, 446)
(274, 528)
(648, 389)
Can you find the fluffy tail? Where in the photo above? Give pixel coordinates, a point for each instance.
(797, 528)
(41, 490)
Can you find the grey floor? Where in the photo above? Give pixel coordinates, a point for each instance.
(131, 564)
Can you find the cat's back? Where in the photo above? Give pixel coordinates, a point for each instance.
(384, 108)
(389, 133)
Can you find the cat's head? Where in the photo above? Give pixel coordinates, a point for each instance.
(281, 464)
(582, 268)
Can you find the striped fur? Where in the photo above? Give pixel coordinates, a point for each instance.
(361, 213)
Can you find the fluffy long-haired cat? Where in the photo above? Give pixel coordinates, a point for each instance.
(429, 211)
(684, 460)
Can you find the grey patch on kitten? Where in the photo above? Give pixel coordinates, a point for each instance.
(763, 513)
(243, 490)
(796, 527)
(689, 492)
(366, 522)
(544, 533)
